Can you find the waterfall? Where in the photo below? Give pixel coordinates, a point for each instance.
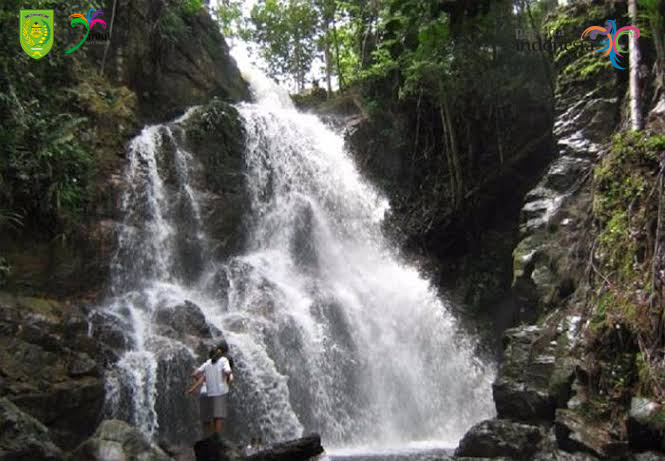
(330, 329)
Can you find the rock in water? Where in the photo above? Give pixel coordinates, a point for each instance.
(23, 438)
(497, 437)
(214, 448)
(294, 450)
(117, 441)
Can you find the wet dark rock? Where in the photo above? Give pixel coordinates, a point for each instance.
(174, 367)
(182, 319)
(83, 365)
(521, 390)
(294, 450)
(51, 367)
(646, 425)
(23, 438)
(499, 437)
(216, 134)
(574, 433)
(215, 448)
(117, 440)
(112, 333)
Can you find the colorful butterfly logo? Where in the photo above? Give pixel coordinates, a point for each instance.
(611, 43)
(88, 22)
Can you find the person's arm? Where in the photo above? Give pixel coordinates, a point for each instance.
(227, 372)
(198, 372)
(199, 382)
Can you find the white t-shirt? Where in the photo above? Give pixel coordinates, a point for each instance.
(203, 390)
(215, 377)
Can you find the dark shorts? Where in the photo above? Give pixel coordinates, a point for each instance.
(218, 407)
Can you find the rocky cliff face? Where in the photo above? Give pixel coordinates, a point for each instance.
(170, 57)
(571, 375)
(51, 368)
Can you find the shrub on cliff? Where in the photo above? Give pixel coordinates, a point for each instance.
(626, 342)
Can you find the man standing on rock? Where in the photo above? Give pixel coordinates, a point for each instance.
(213, 377)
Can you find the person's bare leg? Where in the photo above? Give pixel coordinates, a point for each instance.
(207, 429)
(219, 423)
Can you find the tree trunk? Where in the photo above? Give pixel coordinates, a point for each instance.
(635, 60)
(328, 58)
(340, 77)
(454, 153)
(449, 159)
(656, 20)
(106, 48)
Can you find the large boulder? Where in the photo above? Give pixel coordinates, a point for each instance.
(216, 134)
(186, 323)
(521, 388)
(116, 440)
(646, 425)
(575, 433)
(50, 367)
(537, 370)
(497, 437)
(23, 438)
(215, 448)
(293, 450)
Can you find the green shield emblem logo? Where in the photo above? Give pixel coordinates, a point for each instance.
(36, 32)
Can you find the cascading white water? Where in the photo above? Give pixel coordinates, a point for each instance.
(332, 332)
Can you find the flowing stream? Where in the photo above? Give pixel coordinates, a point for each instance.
(330, 330)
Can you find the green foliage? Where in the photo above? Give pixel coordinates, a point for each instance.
(625, 209)
(230, 17)
(190, 7)
(172, 27)
(172, 23)
(286, 31)
(50, 111)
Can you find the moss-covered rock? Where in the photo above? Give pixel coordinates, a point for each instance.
(117, 440)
